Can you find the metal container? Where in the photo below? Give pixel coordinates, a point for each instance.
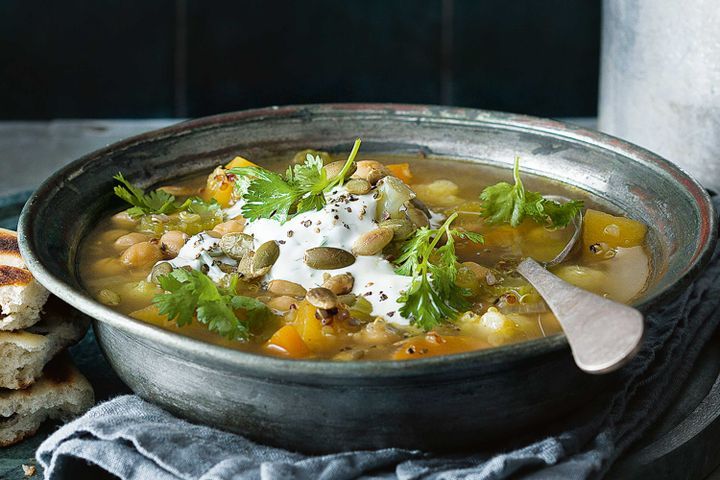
(447, 402)
(660, 80)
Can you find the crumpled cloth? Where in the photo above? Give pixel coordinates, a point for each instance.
(136, 440)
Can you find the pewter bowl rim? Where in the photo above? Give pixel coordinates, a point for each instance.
(197, 350)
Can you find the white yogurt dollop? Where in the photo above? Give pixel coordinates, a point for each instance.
(338, 224)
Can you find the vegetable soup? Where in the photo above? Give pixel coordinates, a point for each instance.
(354, 257)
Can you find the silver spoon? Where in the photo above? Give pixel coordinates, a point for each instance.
(603, 334)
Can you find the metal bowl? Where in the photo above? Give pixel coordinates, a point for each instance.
(445, 402)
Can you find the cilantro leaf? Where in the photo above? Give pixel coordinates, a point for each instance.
(433, 296)
(301, 189)
(158, 201)
(268, 195)
(193, 295)
(505, 203)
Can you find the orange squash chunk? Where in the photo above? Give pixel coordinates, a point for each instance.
(601, 227)
(401, 171)
(287, 342)
(431, 344)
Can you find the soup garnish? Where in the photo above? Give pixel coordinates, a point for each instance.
(351, 258)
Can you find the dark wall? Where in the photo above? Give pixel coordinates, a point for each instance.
(165, 58)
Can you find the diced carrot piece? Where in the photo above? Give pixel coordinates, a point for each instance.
(288, 342)
(601, 227)
(401, 171)
(239, 162)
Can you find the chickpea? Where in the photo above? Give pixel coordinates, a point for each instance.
(123, 220)
(110, 236)
(128, 240)
(231, 226)
(143, 254)
(171, 242)
(107, 267)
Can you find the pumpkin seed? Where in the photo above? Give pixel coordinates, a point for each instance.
(285, 287)
(372, 242)
(322, 298)
(340, 284)
(402, 228)
(358, 186)
(328, 258)
(283, 303)
(348, 299)
(333, 169)
(416, 216)
(236, 245)
(160, 269)
(265, 257)
(245, 264)
(371, 170)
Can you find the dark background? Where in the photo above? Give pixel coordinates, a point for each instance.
(188, 58)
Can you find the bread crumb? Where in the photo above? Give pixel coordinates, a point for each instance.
(29, 470)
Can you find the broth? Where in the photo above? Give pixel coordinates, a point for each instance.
(119, 254)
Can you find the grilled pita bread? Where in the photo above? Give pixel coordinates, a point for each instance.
(25, 353)
(21, 296)
(9, 251)
(60, 394)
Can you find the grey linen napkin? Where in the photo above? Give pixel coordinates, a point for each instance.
(136, 440)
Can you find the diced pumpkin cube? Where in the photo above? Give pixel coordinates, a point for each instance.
(150, 314)
(431, 344)
(287, 342)
(219, 187)
(401, 171)
(601, 227)
(239, 162)
(310, 328)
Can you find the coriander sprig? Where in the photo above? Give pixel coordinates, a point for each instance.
(302, 189)
(433, 296)
(505, 203)
(157, 201)
(192, 294)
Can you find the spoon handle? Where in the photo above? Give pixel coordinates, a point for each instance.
(603, 334)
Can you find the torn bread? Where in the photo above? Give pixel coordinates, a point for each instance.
(24, 353)
(21, 296)
(60, 394)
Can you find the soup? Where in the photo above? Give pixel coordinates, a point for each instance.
(352, 257)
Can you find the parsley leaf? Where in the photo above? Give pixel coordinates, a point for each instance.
(192, 294)
(433, 296)
(505, 203)
(301, 189)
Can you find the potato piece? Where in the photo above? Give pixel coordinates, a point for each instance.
(601, 227)
(442, 193)
(590, 279)
(497, 329)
